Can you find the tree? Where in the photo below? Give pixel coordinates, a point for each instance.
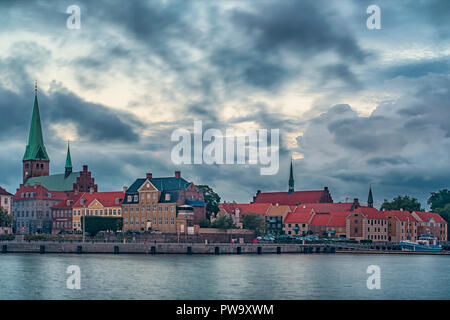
(5, 219)
(96, 224)
(205, 223)
(254, 222)
(406, 203)
(212, 200)
(440, 203)
(224, 222)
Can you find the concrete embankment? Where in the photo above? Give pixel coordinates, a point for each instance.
(167, 248)
(187, 248)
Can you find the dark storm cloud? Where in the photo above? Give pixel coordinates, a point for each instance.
(393, 148)
(304, 26)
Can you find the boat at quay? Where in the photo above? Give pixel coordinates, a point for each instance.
(426, 243)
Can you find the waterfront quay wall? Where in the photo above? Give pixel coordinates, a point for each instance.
(160, 248)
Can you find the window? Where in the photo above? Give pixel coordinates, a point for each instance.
(166, 220)
(135, 198)
(129, 198)
(172, 221)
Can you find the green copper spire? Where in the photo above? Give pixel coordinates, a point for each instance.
(68, 161)
(35, 149)
(291, 180)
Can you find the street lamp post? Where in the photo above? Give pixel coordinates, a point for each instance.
(84, 223)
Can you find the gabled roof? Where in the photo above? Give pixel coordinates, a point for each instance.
(401, 215)
(279, 210)
(3, 192)
(370, 213)
(162, 184)
(320, 219)
(55, 182)
(38, 192)
(338, 219)
(253, 208)
(328, 207)
(300, 215)
(426, 216)
(35, 149)
(294, 198)
(107, 199)
(68, 202)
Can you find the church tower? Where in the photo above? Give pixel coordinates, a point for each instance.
(291, 180)
(370, 198)
(36, 162)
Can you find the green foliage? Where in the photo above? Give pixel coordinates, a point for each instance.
(440, 203)
(97, 224)
(212, 200)
(205, 223)
(254, 222)
(406, 203)
(6, 237)
(224, 222)
(5, 219)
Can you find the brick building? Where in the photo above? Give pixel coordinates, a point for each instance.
(32, 209)
(154, 203)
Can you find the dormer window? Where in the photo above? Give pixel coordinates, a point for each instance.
(129, 198)
(167, 196)
(135, 198)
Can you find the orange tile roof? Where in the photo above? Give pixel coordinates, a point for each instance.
(278, 210)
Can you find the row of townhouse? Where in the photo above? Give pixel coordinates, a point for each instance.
(169, 204)
(342, 220)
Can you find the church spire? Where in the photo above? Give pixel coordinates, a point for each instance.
(68, 161)
(370, 198)
(35, 149)
(291, 180)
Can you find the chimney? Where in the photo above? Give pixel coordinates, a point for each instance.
(148, 175)
(125, 188)
(177, 174)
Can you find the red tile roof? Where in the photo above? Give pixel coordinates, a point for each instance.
(3, 192)
(285, 198)
(320, 219)
(253, 207)
(107, 199)
(401, 215)
(65, 204)
(425, 216)
(300, 215)
(371, 213)
(338, 219)
(328, 207)
(38, 192)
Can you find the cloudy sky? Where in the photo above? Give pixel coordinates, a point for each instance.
(354, 106)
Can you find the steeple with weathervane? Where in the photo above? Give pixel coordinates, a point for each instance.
(291, 180)
(36, 162)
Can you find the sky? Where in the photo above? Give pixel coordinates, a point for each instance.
(355, 106)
